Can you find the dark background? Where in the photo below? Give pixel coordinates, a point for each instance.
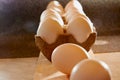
(19, 20)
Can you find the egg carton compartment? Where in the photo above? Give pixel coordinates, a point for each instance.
(47, 49)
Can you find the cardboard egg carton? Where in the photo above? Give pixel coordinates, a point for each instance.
(47, 49)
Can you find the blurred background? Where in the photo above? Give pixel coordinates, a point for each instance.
(19, 20)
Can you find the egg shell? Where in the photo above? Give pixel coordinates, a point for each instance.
(89, 69)
(51, 13)
(80, 29)
(65, 56)
(73, 16)
(73, 9)
(58, 10)
(49, 30)
(55, 4)
(73, 4)
(70, 16)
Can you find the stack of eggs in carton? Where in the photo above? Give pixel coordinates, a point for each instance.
(65, 37)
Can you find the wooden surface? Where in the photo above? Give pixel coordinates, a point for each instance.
(46, 71)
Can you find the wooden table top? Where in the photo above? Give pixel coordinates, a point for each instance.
(46, 71)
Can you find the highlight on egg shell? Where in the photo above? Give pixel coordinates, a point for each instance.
(73, 15)
(90, 69)
(51, 13)
(73, 4)
(74, 10)
(56, 5)
(66, 56)
(58, 10)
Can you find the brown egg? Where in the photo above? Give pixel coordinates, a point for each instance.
(56, 5)
(89, 69)
(66, 56)
(51, 13)
(80, 28)
(71, 15)
(74, 14)
(58, 10)
(74, 4)
(49, 30)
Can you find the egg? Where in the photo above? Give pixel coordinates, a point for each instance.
(58, 10)
(74, 4)
(73, 9)
(66, 56)
(89, 69)
(49, 30)
(71, 15)
(51, 13)
(75, 15)
(56, 5)
(80, 29)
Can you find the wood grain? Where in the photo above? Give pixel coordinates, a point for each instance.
(46, 71)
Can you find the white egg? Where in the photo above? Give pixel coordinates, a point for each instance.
(80, 29)
(49, 30)
(89, 69)
(66, 56)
